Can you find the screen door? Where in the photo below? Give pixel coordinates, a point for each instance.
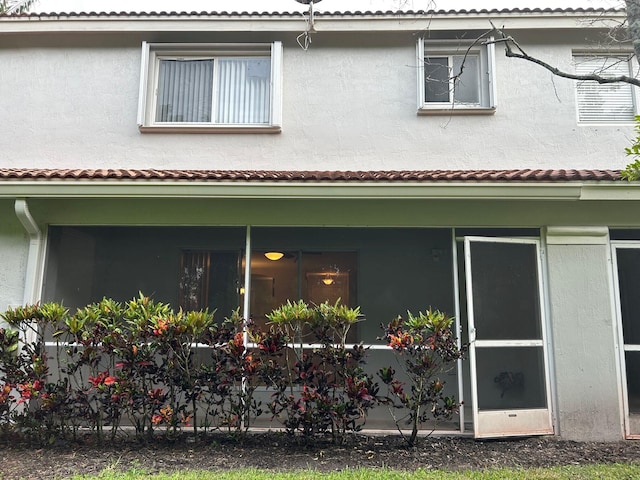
(627, 272)
(507, 352)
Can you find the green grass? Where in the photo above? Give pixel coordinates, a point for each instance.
(600, 472)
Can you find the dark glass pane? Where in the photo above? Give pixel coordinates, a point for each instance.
(624, 234)
(629, 281)
(505, 291)
(632, 363)
(467, 88)
(436, 76)
(510, 378)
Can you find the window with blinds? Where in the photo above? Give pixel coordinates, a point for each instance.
(607, 102)
(210, 87)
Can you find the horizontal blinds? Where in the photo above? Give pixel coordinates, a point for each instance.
(604, 103)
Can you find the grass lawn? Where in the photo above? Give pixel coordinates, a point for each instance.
(600, 472)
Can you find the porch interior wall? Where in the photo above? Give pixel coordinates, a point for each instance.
(398, 269)
(582, 325)
(87, 264)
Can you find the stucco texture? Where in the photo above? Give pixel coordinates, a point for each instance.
(349, 103)
(583, 333)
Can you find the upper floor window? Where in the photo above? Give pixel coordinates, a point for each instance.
(604, 102)
(210, 87)
(455, 78)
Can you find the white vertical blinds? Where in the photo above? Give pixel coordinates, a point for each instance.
(604, 103)
(244, 94)
(184, 91)
(242, 90)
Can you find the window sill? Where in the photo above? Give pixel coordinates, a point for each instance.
(457, 111)
(209, 128)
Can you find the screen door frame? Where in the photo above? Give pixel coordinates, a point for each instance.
(491, 423)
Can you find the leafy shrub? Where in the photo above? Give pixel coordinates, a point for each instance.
(128, 362)
(426, 348)
(162, 371)
(322, 389)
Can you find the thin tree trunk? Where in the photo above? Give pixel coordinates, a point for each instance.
(633, 20)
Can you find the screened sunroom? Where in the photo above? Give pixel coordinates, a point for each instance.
(384, 271)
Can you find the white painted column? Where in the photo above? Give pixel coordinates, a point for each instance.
(583, 329)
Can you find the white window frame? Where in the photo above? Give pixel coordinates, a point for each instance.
(634, 94)
(152, 53)
(450, 49)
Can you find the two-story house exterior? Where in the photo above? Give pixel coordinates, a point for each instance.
(168, 153)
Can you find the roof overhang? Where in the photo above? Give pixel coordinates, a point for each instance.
(569, 185)
(407, 21)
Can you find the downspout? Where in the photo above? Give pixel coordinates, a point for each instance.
(35, 259)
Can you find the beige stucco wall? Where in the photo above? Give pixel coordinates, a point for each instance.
(350, 103)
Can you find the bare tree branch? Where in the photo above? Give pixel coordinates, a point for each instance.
(514, 50)
(476, 41)
(15, 6)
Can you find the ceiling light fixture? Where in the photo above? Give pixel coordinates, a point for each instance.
(274, 256)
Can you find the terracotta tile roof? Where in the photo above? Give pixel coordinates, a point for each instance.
(525, 175)
(320, 13)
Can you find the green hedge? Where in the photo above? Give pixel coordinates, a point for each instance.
(147, 366)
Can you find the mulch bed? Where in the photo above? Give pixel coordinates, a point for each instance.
(278, 452)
